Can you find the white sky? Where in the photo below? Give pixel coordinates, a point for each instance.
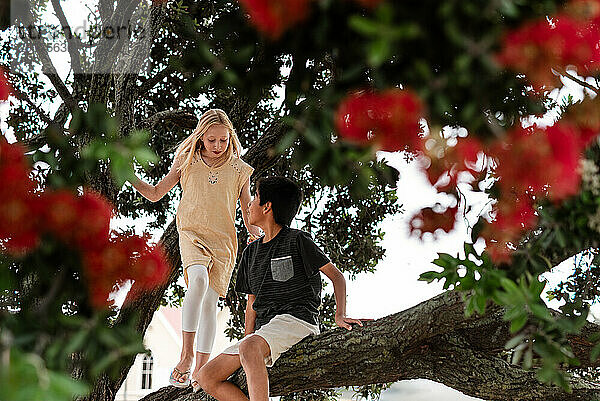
(394, 286)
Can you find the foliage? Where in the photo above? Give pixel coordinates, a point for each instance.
(55, 242)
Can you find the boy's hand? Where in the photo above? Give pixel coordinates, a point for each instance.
(345, 322)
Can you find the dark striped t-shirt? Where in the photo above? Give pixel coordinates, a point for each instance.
(283, 275)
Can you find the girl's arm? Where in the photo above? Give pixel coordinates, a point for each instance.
(154, 192)
(244, 202)
(249, 316)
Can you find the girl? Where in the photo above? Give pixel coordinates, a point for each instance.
(212, 178)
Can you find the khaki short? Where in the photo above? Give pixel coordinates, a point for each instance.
(281, 333)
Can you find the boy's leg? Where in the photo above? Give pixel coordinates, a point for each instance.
(213, 378)
(253, 351)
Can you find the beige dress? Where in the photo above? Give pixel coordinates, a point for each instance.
(206, 218)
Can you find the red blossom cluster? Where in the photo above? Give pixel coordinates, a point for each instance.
(541, 161)
(442, 165)
(5, 88)
(570, 38)
(388, 119)
(532, 162)
(82, 222)
(513, 215)
(273, 17)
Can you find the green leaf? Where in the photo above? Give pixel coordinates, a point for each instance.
(480, 302)
(430, 276)
(364, 26)
(595, 352)
(518, 323)
(469, 250)
(540, 311)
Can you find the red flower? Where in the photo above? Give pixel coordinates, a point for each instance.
(443, 171)
(389, 119)
(427, 220)
(541, 161)
(19, 229)
(566, 145)
(513, 217)
(536, 48)
(62, 214)
(19, 213)
(151, 268)
(5, 88)
(94, 221)
(273, 17)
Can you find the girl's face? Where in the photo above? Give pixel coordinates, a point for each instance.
(215, 141)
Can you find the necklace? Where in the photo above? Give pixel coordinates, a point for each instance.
(213, 176)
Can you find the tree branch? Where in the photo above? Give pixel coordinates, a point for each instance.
(425, 341)
(72, 41)
(580, 82)
(152, 81)
(48, 67)
(181, 118)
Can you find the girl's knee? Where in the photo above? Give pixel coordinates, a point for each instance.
(198, 276)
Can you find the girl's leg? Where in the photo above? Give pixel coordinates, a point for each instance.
(197, 285)
(207, 328)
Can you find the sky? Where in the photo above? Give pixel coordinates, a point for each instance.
(394, 286)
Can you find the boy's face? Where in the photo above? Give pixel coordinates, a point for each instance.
(255, 211)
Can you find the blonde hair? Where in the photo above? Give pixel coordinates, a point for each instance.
(186, 151)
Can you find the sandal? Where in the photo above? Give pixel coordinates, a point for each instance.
(177, 383)
(196, 386)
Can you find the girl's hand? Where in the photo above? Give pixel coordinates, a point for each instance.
(253, 233)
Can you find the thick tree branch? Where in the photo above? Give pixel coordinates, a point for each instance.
(60, 118)
(425, 341)
(181, 118)
(154, 80)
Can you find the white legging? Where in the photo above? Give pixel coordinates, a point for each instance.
(199, 312)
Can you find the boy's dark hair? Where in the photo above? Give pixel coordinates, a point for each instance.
(285, 197)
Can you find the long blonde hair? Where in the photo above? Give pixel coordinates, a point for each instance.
(186, 151)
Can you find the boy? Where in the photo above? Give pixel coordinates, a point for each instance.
(280, 274)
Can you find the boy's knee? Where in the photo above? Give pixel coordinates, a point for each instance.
(251, 348)
(247, 347)
(206, 380)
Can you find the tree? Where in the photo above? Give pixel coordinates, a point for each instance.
(341, 65)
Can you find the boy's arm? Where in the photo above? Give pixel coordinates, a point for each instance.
(249, 316)
(339, 290)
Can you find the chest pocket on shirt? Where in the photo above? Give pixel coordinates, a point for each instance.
(282, 269)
